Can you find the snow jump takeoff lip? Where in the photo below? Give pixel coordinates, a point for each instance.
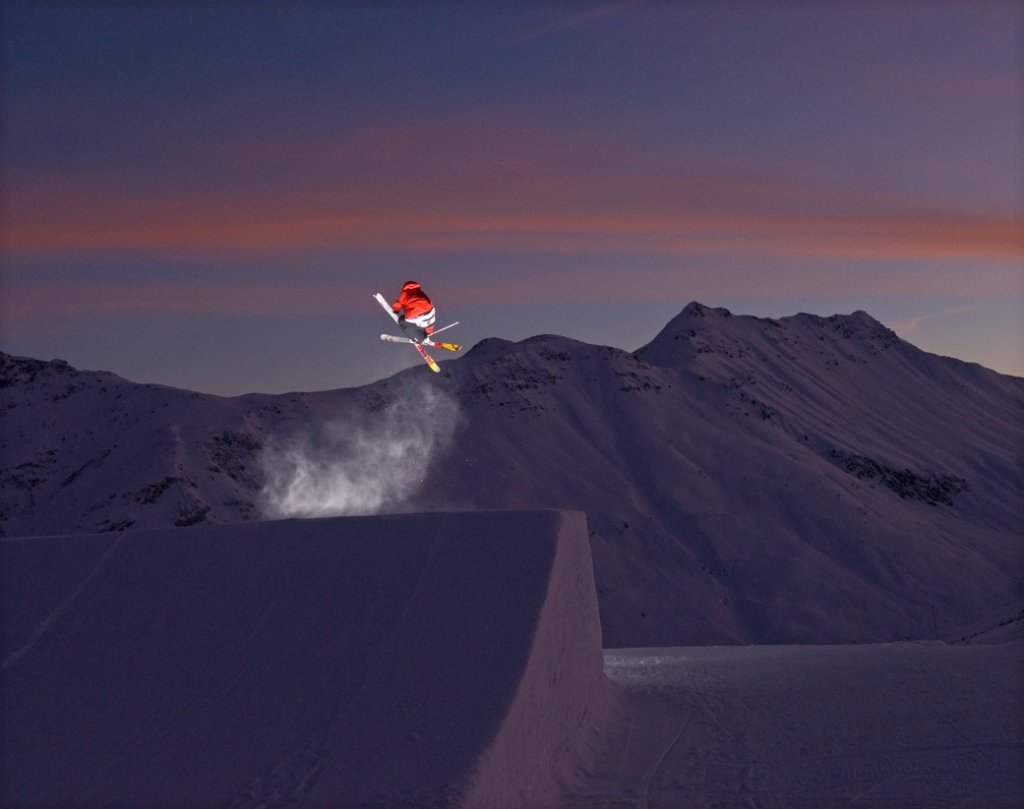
(396, 689)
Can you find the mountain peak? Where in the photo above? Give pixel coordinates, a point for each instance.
(701, 329)
(696, 309)
(15, 370)
(490, 347)
(858, 324)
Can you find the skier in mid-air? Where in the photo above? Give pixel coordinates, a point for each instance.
(415, 311)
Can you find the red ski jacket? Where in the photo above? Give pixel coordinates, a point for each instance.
(413, 300)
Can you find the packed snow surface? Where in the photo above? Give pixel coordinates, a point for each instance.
(453, 660)
(886, 726)
(420, 660)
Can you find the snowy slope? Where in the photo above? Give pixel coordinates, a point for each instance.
(420, 660)
(745, 480)
(428, 660)
(884, 726)
(84, 451)
(751, 480)
(88, 451)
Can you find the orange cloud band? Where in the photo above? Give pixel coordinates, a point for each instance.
(804, 235)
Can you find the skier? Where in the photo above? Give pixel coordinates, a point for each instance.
(415, 311)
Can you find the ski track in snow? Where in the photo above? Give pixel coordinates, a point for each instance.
(857, 727)
(652, 774)
(40, 629)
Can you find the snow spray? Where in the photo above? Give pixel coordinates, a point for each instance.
(367, 463)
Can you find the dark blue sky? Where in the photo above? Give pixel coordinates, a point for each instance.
(206, 194)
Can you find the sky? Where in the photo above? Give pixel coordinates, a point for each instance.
(207, 194)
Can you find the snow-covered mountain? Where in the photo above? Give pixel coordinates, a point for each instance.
(745, 480)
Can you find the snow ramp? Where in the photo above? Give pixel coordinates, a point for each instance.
(434, 660)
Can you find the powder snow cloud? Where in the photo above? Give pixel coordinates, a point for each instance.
(368, 463)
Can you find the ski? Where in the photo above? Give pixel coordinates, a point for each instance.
(443, 328)
(387, 308)
(427, 341)
(429, 360)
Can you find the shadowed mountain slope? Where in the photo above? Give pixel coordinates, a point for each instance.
(752, 480)
(745, 480)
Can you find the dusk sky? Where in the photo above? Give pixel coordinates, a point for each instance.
(205, 195)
